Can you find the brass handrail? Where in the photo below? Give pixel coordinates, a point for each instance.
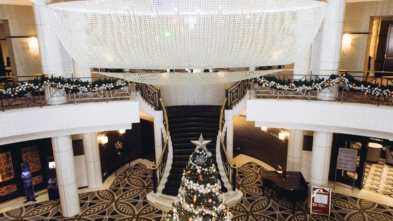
(155, 166)
(231, 164)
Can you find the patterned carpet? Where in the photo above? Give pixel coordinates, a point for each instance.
(378, 177)
(126, 200)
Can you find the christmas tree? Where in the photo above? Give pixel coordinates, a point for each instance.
(199, 197)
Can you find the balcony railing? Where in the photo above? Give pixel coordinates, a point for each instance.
(38, 91)
(346, 87)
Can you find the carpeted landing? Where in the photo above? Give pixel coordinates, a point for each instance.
(126, 200)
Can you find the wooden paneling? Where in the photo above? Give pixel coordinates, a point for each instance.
(123, 148)
(264, 146)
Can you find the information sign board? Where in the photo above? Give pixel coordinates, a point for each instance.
(320, 200)
(346, 159)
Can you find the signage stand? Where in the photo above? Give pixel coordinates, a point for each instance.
(346, 161)
(320, 200)
(53, 190)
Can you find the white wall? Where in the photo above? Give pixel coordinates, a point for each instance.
(21, 23)
(80, 172)
(357, 19)
(49, 121)
(350, 118)
(193, 94)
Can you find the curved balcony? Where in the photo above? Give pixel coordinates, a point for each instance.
(38, 108)
(354, 104)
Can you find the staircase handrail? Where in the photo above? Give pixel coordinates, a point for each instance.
(232, 166)
(150, 94)
(236, 92)
(156, 167)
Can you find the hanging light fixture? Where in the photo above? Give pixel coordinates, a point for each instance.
(193, 34)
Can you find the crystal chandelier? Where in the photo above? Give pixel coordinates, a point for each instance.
(181, 78)
(179, 34)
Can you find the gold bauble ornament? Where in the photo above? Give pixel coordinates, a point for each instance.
(200, 177)
(190, 219)
(209, 200)
(194, 198)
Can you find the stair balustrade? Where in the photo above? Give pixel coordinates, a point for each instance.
(150, 94)
(229, 166)
(159, 167)
(236, 92)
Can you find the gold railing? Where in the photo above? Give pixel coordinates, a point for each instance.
(160, 166)
(232, 168)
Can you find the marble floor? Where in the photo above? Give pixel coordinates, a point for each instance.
(125, 199)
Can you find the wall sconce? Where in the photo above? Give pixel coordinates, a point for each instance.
(346, 42)
(33, 46)
(122, 131)
(264, 129)
(283, 135)
(102, 139)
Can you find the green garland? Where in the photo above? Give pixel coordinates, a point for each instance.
(70, 86)
(349, 83)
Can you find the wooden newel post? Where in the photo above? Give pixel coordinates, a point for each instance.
(154, 177)
(234, 172)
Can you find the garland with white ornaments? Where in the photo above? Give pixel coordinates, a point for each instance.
(70, 86)
(347, 81)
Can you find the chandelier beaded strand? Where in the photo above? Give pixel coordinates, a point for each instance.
(195, 34)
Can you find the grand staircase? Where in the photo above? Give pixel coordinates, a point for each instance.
(186, 123)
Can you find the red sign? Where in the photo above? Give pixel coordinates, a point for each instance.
(320, 200)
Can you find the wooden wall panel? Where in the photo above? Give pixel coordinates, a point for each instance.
(252, 141)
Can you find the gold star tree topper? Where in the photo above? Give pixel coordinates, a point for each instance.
(201, 143)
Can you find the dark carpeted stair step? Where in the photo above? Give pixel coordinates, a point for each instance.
(171, 191)
(186, 123)
(200, 129)
(192, 121)
(193, 135)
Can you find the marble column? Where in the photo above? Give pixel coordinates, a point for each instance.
(54, 58)
(65, 172)
(92, 159)
(302, 65)
(327, 45)
(81, 71)
(158, 139)
(320, 163)
(229, 134)
(295, 150)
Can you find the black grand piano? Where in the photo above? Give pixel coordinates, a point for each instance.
(290, 185)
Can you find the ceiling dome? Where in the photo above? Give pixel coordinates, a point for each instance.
(179, 34)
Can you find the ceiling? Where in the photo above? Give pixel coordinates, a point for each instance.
(15, 2)
(351, 1)
(28, 2)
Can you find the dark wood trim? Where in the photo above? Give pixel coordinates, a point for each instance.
(20, 36)
(357, 33)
